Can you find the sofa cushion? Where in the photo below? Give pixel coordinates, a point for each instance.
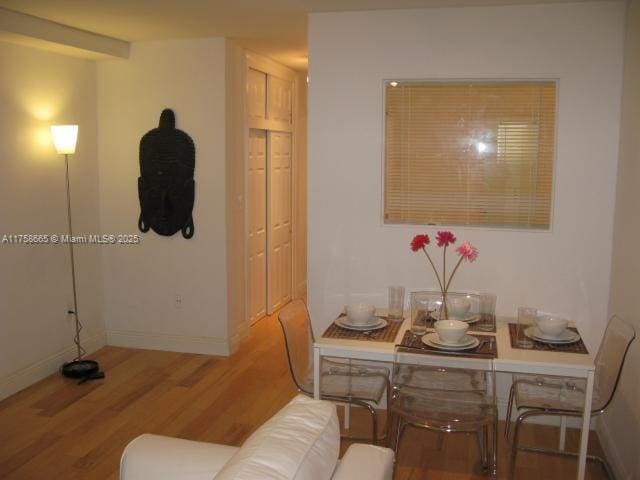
(365, 462)
(164, 458)
(300, 442)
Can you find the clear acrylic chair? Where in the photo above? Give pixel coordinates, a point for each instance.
(456, 398)
(344, 382)
(536, 395)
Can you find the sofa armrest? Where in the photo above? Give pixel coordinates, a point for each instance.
(165, 458)
(366, 462)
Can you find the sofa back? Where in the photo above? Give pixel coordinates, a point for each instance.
(300, 442)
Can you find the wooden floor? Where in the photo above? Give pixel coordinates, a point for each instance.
(58, 429)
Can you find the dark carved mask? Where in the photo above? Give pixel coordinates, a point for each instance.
(166, 186)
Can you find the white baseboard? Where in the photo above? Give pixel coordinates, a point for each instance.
(35, 372)
(611, 452)
(171, 343)
(236, 338)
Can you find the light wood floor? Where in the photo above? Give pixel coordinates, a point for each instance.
(58, 429)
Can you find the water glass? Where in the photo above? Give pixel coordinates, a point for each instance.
(421, 307)
(526, 317)
(396, 303)
(487, 311)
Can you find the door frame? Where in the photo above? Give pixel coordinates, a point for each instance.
(270, 67)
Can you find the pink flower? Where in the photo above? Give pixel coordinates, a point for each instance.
(445, 238)
(467, 251)
(419, 241)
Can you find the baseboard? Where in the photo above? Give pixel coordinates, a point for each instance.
(611, 452)
(35, 372)
(236, 338)
(171, 343)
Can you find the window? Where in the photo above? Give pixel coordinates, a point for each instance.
(469, 153)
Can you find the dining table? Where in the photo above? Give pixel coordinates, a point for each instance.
(506, 359)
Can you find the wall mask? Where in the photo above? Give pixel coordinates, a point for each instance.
(166, 187)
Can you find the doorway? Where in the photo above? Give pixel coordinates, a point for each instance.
(270, 186)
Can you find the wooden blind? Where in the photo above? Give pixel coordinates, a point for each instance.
(470, 153)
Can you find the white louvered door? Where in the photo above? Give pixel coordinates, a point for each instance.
(257, 225)
(279, 220)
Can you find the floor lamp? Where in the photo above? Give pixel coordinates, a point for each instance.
(64, 139)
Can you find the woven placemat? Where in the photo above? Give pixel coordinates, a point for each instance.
(488, 347)
(386, 334)
(576, 347)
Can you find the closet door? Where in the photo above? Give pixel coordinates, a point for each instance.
(257, 225)
(279, 219)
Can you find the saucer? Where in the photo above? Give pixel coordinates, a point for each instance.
(376, 324)
(469, 318)
(568, 336)
(433, 340)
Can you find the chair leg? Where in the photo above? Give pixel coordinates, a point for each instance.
(481, 439)
(374, 422)
(392, 421)
(494, 450)
(516, 434)
(400, 430)
(440, 441)
(507, 420)
(514, 446)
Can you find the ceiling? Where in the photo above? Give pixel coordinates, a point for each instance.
(276, 28)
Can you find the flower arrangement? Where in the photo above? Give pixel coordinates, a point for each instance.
(466, 251)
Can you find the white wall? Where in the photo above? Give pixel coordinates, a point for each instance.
(36, 334)
(352, 255)
(621, 427)
(300, 187)
(142, 282)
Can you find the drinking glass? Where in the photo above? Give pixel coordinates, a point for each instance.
(526, 318)
(422, 305)
(396, 303)
(487, 311)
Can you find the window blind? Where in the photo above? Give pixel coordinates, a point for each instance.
(470, 153)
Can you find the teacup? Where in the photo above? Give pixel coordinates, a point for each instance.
(451, 331)
(552, 325)
(458, 307)
(360, 313)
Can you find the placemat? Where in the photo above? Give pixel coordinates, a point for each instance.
(488, 347)
(386, 334)
(576, 347)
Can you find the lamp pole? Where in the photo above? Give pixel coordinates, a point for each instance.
(76, 339)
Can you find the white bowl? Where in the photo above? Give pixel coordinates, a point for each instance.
(552, 325)
(451, 331)
(360, 313)
(458, 307)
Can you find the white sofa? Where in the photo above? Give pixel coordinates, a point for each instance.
(300, 442)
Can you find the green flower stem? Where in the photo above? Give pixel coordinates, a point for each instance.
(444, 264)
(452, 274)
(434, 267)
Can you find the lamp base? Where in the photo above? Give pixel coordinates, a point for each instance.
(82, 369)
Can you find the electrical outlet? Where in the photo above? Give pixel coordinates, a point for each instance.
(178, 301)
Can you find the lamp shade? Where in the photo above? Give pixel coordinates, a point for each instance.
(64, 137)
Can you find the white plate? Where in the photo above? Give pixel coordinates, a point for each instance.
(568, 336)
(464, 341)
(376, 325)
(428, 339)
(471, 318)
